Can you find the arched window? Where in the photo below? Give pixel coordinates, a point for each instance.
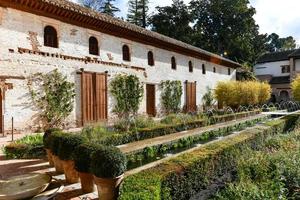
(203, 69)
(126, 53)
(229, 71)
(50, 37)
(93, 46)
(150, 58)
(173, 63)
(190, 66)
(215, 70)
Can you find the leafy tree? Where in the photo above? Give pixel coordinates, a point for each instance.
(208, 99)
(296, 89)
(173, 21)
(54, 96)
(93, 4)
(128, 93)
(171, 96)
(109, 8)
(226, 27)
(138, 12)
(275, 43)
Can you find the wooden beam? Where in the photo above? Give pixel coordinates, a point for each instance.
(4, 77)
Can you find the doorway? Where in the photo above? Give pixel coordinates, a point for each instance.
(191, 100)
(93, 97)
(150, 93)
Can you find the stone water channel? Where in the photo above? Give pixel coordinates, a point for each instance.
(137, 149)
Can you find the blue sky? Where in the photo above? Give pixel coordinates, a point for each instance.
(279, 16)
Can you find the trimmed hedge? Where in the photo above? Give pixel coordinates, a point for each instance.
(147, 133)
(28, 147)
(67, 143)
(46, 135)
(82, 156)
(54, 141)
(159, 150)
(108, 162)
(186, 175)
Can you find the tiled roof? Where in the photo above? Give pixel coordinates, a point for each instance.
(83, 11)
(280, 80)
(278, 56)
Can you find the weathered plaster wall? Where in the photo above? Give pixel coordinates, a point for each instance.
(20, 29)
(271, 68)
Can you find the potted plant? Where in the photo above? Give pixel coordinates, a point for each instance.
(108, 166)
(54, 141)
(46, 142)
(82, 159)
(68, 143)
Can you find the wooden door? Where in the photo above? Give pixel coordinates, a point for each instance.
(150, 93)
(191, 99)
(94, 97)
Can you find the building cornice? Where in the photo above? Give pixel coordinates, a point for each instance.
(77, 15)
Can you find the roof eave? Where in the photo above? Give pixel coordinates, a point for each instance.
(112, 26)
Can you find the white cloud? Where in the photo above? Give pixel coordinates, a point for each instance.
(281, 17)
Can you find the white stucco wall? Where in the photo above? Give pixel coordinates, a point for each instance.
(15, 28)
(271, 68)
(297, 65)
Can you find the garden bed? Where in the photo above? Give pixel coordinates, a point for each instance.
(184, 176)
(165, 129)
(28, 147)
(153, 153)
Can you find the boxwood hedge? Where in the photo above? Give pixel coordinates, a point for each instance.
(147, 133)
(186, 175)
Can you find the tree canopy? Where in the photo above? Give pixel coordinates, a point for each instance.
(109, 8)
(173, 21)
(138, 12)
(275, 43)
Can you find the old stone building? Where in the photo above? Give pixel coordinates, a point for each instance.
(279, 69)
(88, 47)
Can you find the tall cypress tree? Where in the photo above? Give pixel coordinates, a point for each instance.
(109, 8)
(137, 12)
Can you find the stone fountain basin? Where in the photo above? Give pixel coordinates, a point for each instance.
(24, 186)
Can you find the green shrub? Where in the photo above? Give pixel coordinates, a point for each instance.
(82, 156)
(46, 135)
(171, 92)
(108, 162)
(54, 141)
(67, 144)
(266, 174)
(97, 132)
(178, 118)
(113, 138)
(28, 147)
(186, 175)
(127, 91)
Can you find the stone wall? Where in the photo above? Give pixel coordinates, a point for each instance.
(24, 30)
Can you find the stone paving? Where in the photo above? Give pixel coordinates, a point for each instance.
(10, 168)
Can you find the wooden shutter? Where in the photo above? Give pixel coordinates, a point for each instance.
(101, 97)
(94, 97)
(87, 97)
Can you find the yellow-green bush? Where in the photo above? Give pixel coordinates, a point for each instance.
(236, 93)
(296, 88)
